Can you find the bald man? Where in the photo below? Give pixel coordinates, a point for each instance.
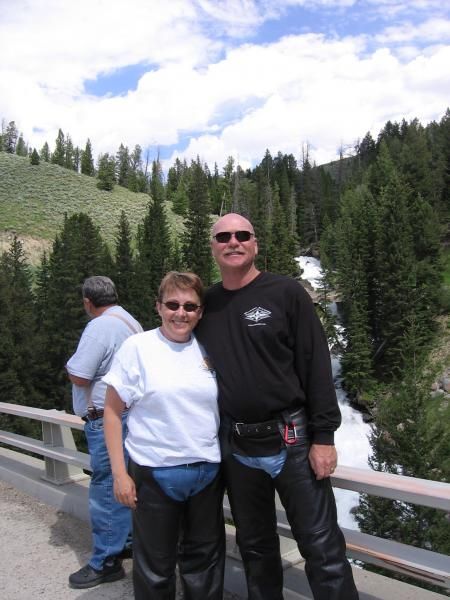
(279, 413)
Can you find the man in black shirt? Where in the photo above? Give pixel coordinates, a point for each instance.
(279, 412)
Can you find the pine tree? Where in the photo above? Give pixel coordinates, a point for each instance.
(214, 190)
(177, 263)
(18, 327)
(87, 162)
(308, 208)
(173, 178)
(122, 165)
(353, 248)
(262, 219)
(402, 444)
(415, 161)
(281, 251)
(34, 158)
(225, 187)
(394, 273)
(425, 229)
(45, 153)
(11, 388)
(21, 147)
(180, 199)
(196, 247)
(58, 156)
(76, 159)
(444, 152)
(124, 268)
(10, 137)
(137, 180)
(78, 252)
(68, 153)
(106, 172)
(153, 253)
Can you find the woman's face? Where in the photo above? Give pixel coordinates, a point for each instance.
(177, 322)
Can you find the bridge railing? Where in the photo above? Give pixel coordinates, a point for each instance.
(63, 463)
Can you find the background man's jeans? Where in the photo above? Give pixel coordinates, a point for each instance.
(110, 521)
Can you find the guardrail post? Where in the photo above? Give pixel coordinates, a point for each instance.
(57, 471)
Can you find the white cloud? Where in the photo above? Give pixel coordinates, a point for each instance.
(430, 31)
(228, 97)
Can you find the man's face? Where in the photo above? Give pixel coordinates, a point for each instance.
(233, 252)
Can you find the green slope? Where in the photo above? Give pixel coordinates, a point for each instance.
(33, 200)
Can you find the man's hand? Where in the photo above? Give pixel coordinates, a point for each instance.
(323, 460)
(125, 490)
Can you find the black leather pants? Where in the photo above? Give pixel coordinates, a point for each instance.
(167, 532)
(311, 512)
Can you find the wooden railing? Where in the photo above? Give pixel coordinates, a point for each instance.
(64, 463)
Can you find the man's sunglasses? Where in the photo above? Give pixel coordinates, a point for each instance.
(187, 306)
(224, 237)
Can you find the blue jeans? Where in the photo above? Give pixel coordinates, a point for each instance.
(110, 521)
(183, 481)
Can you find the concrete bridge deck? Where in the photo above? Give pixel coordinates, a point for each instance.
(40, 545)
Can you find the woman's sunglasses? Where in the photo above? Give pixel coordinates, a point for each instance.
(187, 306)
(225, 236)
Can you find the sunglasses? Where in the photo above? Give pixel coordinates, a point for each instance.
(225, 236)
(187, 306)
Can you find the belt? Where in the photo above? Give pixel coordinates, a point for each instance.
(93, 414)
(255, 429)
(290, 425)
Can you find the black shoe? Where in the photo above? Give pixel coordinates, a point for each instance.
(126, 552)
(88, 577)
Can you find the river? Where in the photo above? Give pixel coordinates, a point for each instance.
(352, 437)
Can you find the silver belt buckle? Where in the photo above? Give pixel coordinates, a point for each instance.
(236, 428)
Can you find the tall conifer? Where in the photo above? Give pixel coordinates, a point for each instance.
(196, 247)
(78, 252)
(153, 252)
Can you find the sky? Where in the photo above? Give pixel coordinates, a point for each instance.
(220, 78)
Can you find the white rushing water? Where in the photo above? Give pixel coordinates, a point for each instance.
(352, 437)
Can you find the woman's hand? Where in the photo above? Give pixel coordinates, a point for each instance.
(125, 490)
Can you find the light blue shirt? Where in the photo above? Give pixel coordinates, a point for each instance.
(270, 464)
(100, 340)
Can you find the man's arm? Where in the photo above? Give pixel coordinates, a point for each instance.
(314, 370)
(82, 367)
(79, 380)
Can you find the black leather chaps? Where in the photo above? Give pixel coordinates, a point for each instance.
(311, 512)
(166, 533)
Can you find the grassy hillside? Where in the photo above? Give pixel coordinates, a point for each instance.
(33, 200)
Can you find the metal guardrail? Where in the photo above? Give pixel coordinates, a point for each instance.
(64, 463)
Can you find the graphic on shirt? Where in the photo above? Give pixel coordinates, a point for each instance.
(207, 366)
(257, 314)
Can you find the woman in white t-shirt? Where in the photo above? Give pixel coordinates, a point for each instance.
(173, 480)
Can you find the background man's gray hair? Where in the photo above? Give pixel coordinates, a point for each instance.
(100, 290)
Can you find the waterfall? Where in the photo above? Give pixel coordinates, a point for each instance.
(352, 437)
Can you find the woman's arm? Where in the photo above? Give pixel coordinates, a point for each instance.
(124, 488)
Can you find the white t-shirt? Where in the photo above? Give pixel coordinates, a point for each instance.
(171, 392)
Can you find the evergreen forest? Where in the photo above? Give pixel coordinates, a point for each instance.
(378, 219)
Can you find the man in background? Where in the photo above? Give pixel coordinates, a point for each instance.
(109, 326)
(278, 416)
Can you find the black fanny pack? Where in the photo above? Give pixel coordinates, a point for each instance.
(268, 438)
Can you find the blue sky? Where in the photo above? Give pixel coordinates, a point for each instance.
(221, 78)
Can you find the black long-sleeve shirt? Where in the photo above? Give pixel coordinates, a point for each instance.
(270, 353)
